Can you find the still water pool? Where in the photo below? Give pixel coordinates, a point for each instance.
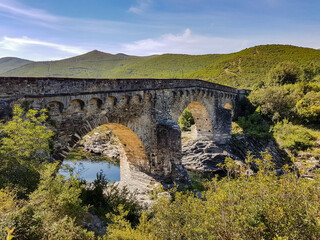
(88, 169)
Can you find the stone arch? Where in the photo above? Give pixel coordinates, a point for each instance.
(111, 101)
(133, 157)
(125, 100)
(55, 108)
(131, 143)
(76, 105)
(136, 99)
(94, 105)
(203, 123)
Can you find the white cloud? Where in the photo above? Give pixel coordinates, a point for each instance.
(142, 5)
(16, 44)
(14, 8)
(187, 43)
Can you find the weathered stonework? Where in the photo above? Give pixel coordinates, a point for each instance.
(142, 113)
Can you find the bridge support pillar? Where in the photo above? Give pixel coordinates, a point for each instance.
(222, 125)
(169, 154)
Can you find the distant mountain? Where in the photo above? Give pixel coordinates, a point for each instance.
(243, 68)
(9, 63)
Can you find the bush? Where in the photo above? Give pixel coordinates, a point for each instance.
(278, 102)
(283, 73)
(186, 120)
(261, 206)
(105, 197)
(308, 108)
(293, 137)
(54, 210)
(255, 125)
(25, 145)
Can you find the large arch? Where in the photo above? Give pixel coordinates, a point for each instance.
(133, 157)
(203, 124)
(202, 129)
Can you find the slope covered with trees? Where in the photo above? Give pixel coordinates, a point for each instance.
(241, 69)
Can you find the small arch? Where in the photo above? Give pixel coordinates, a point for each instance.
(125, 99)
(180, 93)
(137, 99)
(94, 104)
(55, 108)
(111, 101)
(147, 97)
(76, 105)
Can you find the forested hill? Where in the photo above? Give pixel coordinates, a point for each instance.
(243, 68)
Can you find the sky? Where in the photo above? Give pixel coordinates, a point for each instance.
(55, 29)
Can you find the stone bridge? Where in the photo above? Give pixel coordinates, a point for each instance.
(142, 113)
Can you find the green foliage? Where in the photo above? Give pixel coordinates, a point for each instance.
(283, 73)
(242, 69)
(308, 108)
(278, 102)
(254, 124)
(54, 210)
(24, 146)
(261, 206)
(105, 198)
(186, 120)
(293, 137)
(309, 72)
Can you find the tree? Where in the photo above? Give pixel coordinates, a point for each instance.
(283, 73)
(308, 108)
(186, 120)
(24, 146)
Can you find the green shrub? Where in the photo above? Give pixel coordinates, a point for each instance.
(308, 108)
(25, 145)
(255, 125)
(105, 197)
(293, 137)
(261, 206)
(283, 73)
(186, 120)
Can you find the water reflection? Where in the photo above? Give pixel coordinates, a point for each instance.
(88, 169)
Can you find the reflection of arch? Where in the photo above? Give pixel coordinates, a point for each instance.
(55, 108)
(76, 105)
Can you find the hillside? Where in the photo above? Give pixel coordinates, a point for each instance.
(9, 63)
(251, 65)
(93, 64)
(243, 68)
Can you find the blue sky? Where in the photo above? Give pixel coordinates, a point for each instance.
(56, 29)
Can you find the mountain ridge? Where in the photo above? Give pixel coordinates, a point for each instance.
(243, 68)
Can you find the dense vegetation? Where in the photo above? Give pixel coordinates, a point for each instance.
(241, 69)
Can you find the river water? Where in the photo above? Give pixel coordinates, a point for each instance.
(87, 169)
